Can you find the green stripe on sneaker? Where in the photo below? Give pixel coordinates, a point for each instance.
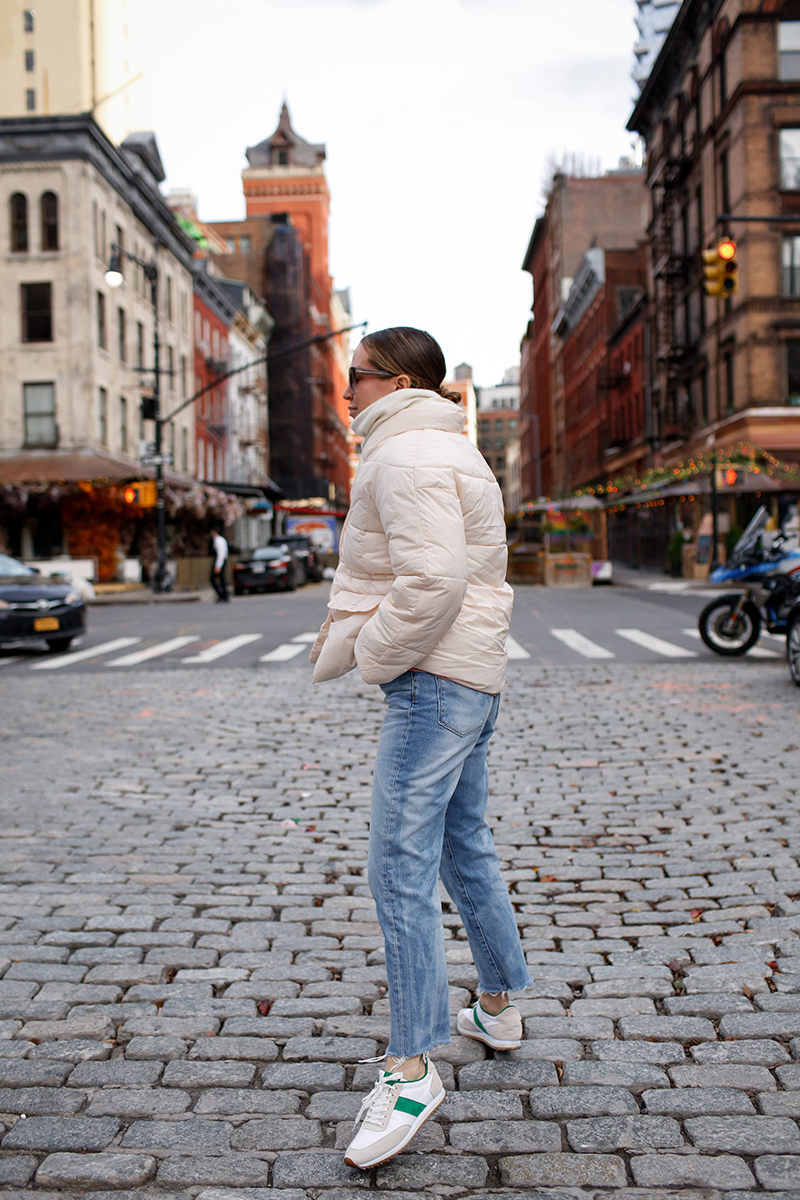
(409, 1106)
(477, 1020)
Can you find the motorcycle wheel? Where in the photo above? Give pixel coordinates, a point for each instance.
(734, 642)
(793, 650)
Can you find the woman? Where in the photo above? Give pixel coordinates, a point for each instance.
(420, 604)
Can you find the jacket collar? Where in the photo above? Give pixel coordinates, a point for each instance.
(405, 409)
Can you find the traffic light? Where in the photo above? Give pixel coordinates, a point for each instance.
(721, 269)
(142, 494)
(731, 477)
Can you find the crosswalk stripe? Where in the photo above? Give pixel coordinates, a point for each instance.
(753, 652)
(514, 650)
(649, 642)
(66, 660)
(220, 649)
(582, 645)
(138, 656)
(283, 653)
(306, 637)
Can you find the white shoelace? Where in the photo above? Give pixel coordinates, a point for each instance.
(376, 1104)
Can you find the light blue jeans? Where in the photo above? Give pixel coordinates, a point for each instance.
(429, 797)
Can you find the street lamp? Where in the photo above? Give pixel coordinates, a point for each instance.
(162, 581)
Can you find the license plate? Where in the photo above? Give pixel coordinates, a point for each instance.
(45, 624)
(258, 568)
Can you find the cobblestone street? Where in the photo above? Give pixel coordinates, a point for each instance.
(192, 968)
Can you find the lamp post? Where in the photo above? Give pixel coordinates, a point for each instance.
(162, 581)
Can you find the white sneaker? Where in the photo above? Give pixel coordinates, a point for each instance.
(503, 1032)
(396, 1109)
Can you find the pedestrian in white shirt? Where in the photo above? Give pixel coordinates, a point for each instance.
(219, 549)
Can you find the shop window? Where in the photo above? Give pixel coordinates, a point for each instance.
(48, 208)
(19, 223)
(793, 372)
(789, 149)
(39, 406)
(789, 49)
(37, 312)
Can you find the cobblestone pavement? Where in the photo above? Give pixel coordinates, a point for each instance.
(192, 969)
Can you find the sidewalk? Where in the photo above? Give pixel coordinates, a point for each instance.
(147, 596)
(192, 969)
(655, 582)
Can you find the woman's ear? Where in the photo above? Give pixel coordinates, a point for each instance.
(403, 381)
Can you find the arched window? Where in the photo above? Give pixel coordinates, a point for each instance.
(49, 211)
(19, 223)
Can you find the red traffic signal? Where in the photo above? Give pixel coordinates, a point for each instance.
(726, 249)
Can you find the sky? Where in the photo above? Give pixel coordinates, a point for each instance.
(441, 118)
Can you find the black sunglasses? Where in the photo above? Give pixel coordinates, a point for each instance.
(354, 373)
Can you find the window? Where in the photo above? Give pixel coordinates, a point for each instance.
(244, 245)
(19, 223)
(789, 49)
(789, 143)
(95, 230)
(123, 423)
(122, 333)
(172, 440)
(39, 406)
(103, 235)
(103, 416)
(169, 298)
(30, 99)
(725, 180)
(793, 372)
(729, 387)
(283, 158)
(139, 344)
(171, 368)
(28, 19)
(183, 376)
(29, 60)
(230, 242)
(185, 449)
(37, 312)
(48, 206)
(790, 252)
(101, 321)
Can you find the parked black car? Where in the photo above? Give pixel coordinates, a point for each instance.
(33, 608)
(793, 641)
(266, 569)
(303, 548)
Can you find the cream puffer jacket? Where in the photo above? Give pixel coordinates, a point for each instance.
(422, 559)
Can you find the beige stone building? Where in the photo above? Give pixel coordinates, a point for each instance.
(73, 56)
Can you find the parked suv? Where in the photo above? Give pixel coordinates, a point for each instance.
(303, 548)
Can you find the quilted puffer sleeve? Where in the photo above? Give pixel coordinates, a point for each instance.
(420, 512)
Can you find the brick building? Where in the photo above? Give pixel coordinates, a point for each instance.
(214, 314)
(281, 250)
(609, 212)
(720, 115)
(607, 285)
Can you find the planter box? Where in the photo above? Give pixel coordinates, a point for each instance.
(567, 570)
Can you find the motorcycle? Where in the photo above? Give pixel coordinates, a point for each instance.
(732, 622)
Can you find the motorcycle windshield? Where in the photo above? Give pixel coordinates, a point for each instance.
(749, 538)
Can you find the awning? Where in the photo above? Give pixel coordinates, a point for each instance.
(65, 466)
(700, 485)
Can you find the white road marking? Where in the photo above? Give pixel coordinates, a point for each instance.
(6, 662)
(669, 585)
(753, 652)
(514, 650)
(138, 656)
(656, 644)
(211, 653)
(582, 645)
(306, 637)
(283, 653)
(66, 660)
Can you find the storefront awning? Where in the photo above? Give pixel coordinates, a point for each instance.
(65, 466)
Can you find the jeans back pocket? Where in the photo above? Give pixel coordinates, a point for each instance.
(462, 710)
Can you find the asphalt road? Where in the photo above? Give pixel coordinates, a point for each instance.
(550, 627)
